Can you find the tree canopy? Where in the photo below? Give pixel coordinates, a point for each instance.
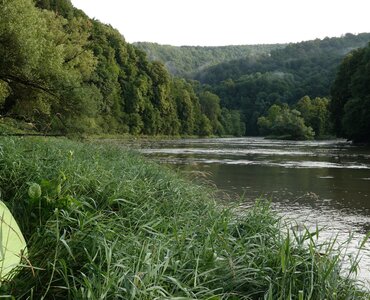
(64, 72)
(316, 114)
(187, 61)
(285, 123)
(350, 105)
(274, 74)
(252, 85)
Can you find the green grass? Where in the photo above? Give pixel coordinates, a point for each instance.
(111, 225)
(9, 126)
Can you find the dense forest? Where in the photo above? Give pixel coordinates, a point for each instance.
(63, 72)
(280, 76)
(350, 104)
(187, 61)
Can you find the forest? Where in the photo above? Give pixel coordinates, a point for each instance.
(62, 72)
(275, 76)
(350, 104)
(187, 61)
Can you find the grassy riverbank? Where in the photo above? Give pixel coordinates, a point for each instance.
(111, 225)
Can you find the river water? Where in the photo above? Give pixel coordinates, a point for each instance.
(313, 183)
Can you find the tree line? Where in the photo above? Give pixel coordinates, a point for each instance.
(278, 77)
(345, 114)
(64, 72)
(187, 61)
(285, 76)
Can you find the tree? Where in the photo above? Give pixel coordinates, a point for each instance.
(186, 105)
(205, 126)
(43, 61)
(350, 106)
(210, 106)
(356, 123)
(283, 122)
(25, 50)
(232, 123)
(316, 114)
(67, 73)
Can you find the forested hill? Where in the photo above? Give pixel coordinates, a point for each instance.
(63, 72)
(252, 85)
(186, 61)
(305, 59)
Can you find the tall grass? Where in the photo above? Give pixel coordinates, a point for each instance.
(111, 225)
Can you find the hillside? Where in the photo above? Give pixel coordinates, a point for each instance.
(64, 73)
(252, 85)
(186, 61)
(314, 56)
(251, 78)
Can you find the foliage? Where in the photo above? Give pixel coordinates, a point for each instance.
(231, 122)
(43, 63)
(252, 84)
(313, 64)
(10, 126)
(253, 95)
(316, 114)
(66, 73)
(187, 105)
(210, 104)
(351, 97)
(265, 76)
(286, 123)
(186, 61)
(111, 225)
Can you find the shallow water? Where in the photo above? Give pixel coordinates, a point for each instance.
(315, 183)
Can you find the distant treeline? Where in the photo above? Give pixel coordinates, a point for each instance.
(273, 76)
(64, 72)
(187, 61)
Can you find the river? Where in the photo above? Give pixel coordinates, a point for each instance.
(314, 183)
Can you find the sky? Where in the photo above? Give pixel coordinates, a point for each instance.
(229, 22)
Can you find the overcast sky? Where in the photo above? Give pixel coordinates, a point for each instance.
(229, 22)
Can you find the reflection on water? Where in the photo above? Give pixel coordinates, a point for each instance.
(316, 183)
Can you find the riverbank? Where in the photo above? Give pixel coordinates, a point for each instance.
(110, 224)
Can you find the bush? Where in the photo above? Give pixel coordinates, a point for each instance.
(283, 122)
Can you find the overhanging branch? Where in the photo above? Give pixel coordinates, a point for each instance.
(26, 82)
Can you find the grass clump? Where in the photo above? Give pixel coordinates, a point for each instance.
(103, 223)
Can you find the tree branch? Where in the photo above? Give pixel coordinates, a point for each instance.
(12, 78)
